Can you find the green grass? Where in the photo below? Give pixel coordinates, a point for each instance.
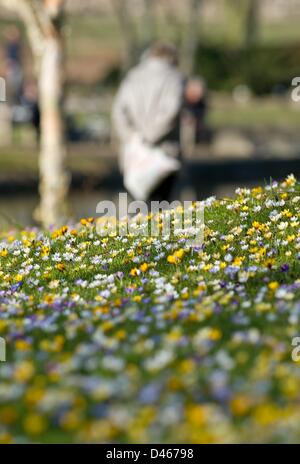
(21, 161)
(261, 113)
(136, 338)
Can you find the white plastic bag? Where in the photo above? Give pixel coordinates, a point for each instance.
(145, 167)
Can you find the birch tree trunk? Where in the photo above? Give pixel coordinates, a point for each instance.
(43, 22)
(54, 180)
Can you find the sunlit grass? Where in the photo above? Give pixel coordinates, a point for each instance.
(133, 338)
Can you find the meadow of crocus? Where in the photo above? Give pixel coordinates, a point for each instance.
(143, 339)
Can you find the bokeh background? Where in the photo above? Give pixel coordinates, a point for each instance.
(248, 52)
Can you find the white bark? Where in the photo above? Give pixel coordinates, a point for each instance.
(53, 177)
(41, 19)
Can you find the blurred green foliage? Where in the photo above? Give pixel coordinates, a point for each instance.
(94, 45)
(262, 68)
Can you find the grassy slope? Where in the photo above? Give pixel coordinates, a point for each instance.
(22, 162)
(260, 114)
(136, 339)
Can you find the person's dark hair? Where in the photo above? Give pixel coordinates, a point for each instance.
(167, 51)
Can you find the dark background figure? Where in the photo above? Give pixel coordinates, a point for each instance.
(13, 64)
(196, 109)
(29, 102)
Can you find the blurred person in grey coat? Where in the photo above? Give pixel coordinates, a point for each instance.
(148, 105)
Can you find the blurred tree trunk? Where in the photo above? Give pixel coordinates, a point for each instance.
(128, 33)
(252, 23)
(173, 20)
(43, 21)
(149, 23)
(54, 180)
(192, 36)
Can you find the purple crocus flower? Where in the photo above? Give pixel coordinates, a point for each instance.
(285, 268)
(16, 287)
